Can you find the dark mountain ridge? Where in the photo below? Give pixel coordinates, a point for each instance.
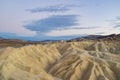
(98, 37)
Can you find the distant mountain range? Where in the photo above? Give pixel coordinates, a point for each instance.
(98, 37)
(89, 37)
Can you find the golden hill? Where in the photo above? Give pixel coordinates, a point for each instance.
(75, 60)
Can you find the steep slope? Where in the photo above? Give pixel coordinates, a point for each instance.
(81, 60)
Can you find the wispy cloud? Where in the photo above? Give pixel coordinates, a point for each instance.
(93, 27)
(68, 32)
(116, 22)
(58, 8)
(118, 17)
(117, 26)
(53, 23)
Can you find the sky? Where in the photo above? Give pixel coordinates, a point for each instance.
(58, 19)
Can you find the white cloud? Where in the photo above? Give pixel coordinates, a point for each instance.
(20, 31)
(69, 32)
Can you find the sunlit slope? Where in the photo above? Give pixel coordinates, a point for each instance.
(82, 60)
(29, 62)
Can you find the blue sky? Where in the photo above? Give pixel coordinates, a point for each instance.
(58, 19)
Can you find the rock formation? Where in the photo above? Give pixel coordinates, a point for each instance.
(72, 60)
